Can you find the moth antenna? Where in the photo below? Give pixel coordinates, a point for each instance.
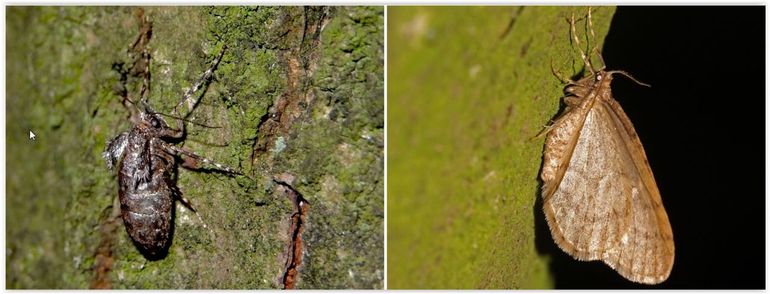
(591, 26)
(629, 76)
(593, 39)
(585, 58)
(601, 58)
(207, 143)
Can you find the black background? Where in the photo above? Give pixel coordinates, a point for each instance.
(702, 124)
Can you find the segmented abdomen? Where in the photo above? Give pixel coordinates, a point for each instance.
(147, 217)
(146, 199)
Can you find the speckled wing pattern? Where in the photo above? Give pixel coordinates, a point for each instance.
(600, 198)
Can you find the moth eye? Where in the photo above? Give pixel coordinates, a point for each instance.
(154, 122)
(598, 77)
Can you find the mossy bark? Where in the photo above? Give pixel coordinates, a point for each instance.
(469, 89)
(320, 69)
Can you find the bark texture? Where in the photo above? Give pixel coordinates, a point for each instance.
(299, 91)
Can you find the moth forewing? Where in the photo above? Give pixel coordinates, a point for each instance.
(561, 139)
(600, 198)
(664, 237)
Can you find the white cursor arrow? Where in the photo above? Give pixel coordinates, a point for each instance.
(32, 135)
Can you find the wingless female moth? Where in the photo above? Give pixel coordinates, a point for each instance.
(599, 196)
(145, 157)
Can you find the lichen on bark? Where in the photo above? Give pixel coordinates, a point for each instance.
(60, 195)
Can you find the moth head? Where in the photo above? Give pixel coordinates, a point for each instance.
(153, 122)
(603, 78)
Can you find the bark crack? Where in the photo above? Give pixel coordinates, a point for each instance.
(300, 62)
(298, 220)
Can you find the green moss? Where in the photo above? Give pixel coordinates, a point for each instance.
(338, 168)
(466, 100)
(60, 86)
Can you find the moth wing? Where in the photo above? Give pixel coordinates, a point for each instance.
(606, 204)
(560, 143)
(113, 150)
(657, 239)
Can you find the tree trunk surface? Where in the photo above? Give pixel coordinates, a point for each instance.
(298, 96)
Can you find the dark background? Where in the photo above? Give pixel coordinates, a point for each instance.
(702, 124)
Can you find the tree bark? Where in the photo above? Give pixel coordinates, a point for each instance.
(299, 93)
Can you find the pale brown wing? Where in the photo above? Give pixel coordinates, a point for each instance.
(560, 143)
(659, 256)
(606, 205)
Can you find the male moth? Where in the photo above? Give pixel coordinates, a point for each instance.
(599, 195)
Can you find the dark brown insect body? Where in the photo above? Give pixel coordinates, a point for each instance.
(145, 158)
(145, 185)
(145, 161)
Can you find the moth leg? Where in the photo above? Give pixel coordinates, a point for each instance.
(166, 164)
(141, 68)
(559, 76)
(570, 101)
(583, 55)
(192, 160)
(173, 133)
(601, 58)
(547, 129)
(179, 196)
(205, 77)
(591, 26)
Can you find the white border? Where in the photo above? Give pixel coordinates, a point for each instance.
(385, 148)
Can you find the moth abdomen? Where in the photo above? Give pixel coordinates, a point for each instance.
(146, 198)
(147, 217)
